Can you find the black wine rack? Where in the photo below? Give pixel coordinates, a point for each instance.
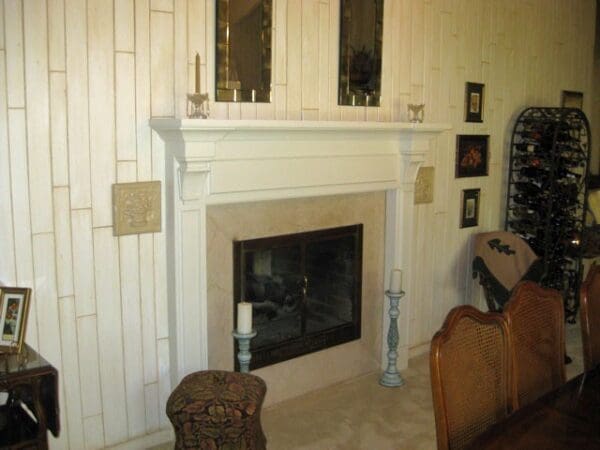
(546, 199)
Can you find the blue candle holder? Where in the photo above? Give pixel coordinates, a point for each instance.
(391, 377)
(244, 356)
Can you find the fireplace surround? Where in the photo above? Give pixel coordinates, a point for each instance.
(221, 162)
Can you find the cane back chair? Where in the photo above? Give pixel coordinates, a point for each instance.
(590, 318)
(535, 317)
(471, 375)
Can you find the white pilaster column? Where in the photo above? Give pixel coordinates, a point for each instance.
(187, 268)
(398, 240)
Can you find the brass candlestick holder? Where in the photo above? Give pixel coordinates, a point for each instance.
(198, 107)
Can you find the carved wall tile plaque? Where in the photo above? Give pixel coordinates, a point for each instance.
(136, 208)
(424, 186)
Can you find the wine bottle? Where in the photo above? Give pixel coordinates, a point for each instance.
(561, 172)
(533, 172)
(528, 188)
(528, 160)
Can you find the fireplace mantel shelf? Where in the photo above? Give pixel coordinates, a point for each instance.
(225, 161)
(170, 124)
(210, 162)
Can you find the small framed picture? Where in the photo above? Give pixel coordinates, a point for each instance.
(471, 155)
(14, 309)
(572, 99)
(474, 102)
(470, 208)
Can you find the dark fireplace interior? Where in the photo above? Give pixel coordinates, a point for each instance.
(305, 291)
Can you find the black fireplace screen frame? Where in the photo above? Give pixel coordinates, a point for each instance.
(307, 342)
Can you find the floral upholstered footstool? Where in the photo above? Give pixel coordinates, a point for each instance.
(215, 409)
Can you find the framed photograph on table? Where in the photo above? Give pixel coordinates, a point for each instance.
(14, 309)
(471, 155)
(474, 102)
(470, 208)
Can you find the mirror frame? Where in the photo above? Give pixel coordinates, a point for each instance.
(224, 92)
(353, 93)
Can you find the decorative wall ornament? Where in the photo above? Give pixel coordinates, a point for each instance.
(416, 112)
(572, 99)
(471, 155)
(136, 208)
(470, 208)
(424, 185)
(474, 102)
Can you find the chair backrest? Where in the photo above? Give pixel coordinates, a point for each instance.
(589, 311)
(535, 317)
(471, 375)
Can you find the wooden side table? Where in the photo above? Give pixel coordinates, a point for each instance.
(32, 405)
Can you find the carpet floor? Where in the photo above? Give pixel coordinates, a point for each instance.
(362, 415)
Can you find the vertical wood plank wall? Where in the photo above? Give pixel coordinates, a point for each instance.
(79, 81)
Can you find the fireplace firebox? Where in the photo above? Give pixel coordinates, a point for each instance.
(305, 290)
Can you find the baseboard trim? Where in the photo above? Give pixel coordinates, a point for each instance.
(147, 441)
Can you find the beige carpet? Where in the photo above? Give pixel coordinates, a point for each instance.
(361, 415)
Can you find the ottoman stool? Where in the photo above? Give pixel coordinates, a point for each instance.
(215, 409)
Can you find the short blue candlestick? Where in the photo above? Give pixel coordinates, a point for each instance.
(244, 356)
(391, 377)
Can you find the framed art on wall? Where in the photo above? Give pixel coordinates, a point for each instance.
(572, 99)
(14, 309)
(474, 102)
(470, 208)
(471, 155)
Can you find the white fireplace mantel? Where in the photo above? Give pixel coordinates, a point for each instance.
(229, 161)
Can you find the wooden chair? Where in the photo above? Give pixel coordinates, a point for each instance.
(471, 375)
(590, 318)
(535, 317)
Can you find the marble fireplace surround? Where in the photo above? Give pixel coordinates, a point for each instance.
(217, 162)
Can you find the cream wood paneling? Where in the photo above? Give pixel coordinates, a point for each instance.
(56, 35)
(58, 129)
(38, 121)
(1, 25)
(111, 328)
(78, 103)
(93, 432)
(70, 373)
(15, 77)
(124, 26)
(152, 406)
(79, 81)
(83, 262)
(101, 76)
(7, 242)
(87, 339)
(19, 178)
(125, 119)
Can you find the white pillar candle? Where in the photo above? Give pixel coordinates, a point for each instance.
(396, 281)
(244, 317)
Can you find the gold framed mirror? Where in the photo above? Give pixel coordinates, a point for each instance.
(361, 39)
(243, 50)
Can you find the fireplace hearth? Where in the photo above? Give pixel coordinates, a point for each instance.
(305, 290)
